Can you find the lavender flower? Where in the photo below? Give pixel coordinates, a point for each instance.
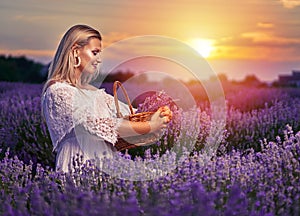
(247, 179)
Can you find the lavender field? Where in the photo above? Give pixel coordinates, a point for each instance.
(255, 170)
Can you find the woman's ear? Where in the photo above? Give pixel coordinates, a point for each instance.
(75, 50)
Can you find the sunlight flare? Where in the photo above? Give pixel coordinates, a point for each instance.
(203, 46)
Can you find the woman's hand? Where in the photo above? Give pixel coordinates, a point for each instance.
(159, 121)
(160, 118)
(166, 113)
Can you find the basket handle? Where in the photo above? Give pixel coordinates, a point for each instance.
(116, 85)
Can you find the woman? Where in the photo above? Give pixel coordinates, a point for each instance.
(80, 117)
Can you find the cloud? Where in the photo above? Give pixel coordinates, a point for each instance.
(43, 56)
(265, 25)
(29, 52)
(269, 39)
(34, 18)
(258, 45)
(277, 54)
(290, 3)
(259, 38)
(113, 37)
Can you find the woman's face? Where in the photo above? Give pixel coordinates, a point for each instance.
(90, 56)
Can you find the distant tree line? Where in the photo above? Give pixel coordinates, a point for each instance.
(118, 75)
(20, 69)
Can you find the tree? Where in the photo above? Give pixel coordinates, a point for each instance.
(20, 69)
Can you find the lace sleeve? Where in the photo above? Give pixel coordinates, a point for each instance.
(105, 128)
(66, 107)
(124, 108)
(57, 110)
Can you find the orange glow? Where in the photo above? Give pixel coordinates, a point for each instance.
(254, 53)
(47, 53)
(259, 45)
(203, 46)
(224, 30)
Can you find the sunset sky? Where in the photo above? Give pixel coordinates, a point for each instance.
(238, 38)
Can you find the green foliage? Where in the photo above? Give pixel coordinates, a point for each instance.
(21, 69)
(119, 75)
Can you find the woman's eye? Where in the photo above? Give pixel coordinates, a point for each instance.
(95, 52)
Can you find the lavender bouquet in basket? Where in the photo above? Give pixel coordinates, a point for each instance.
(160, 99)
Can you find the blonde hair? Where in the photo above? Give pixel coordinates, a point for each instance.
(62, 67)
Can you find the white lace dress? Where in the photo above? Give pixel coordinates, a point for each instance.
(80, 122)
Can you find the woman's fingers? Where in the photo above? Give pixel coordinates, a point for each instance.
(162, 116)
(166, 119)
(167, 113)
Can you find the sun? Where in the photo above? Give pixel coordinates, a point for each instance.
(203, 46)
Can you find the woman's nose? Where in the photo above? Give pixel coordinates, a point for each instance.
(99, 58)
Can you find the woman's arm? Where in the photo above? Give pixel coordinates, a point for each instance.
(158, 121)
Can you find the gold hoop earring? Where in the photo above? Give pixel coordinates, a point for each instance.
(78, 63)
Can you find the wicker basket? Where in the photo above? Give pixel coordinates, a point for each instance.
(134, 141)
